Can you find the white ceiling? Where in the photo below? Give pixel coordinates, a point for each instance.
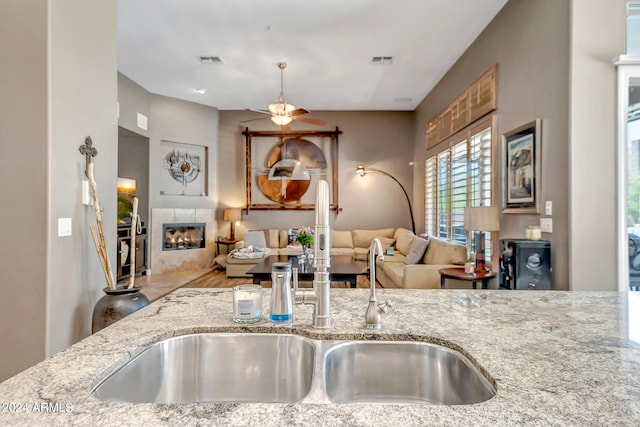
(327, 45)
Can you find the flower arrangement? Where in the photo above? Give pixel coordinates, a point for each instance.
(304, 235)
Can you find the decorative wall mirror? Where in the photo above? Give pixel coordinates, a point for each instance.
(284, 167)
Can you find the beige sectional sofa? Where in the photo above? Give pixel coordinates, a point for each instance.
(411, 266)
(394, 271)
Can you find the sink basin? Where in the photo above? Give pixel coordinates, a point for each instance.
(402, 372)
(212, 367)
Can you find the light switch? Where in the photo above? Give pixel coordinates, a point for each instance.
(546, 225)
(548, 208)
(86, 193)
(64, 227)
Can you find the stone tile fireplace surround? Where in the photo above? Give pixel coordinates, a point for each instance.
(163, 261)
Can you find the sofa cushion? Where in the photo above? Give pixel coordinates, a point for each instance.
(284, 238)
(342, 251)
(417, 248)
(394, 271)
(442, 252)
(403, 240)
(363, 238)
(361, 254)
(341, 239)
(255, 238)
(272, 237)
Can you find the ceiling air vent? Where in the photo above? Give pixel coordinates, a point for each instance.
(384, 60)
(209, 60)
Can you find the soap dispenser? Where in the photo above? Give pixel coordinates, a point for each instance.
(281, 304)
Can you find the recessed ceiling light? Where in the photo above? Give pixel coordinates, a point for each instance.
(402, 99)
(270, 28)
(201, 91)
(385, 60)
(210, 60)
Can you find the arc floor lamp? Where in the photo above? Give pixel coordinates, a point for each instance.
(362, 172)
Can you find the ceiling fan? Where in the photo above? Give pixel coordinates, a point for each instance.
(281, 111)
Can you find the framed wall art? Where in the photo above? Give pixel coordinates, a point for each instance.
(184, 169)
(522, 169)
(284, 167)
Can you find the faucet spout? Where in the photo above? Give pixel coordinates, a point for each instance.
(320, 296)
(373, 315)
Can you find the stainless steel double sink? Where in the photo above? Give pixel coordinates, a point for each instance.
(286, 368)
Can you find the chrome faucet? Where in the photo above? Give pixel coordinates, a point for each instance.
(319, 296)
(374, 311)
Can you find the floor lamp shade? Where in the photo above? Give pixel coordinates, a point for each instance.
(233, 215)
(481, 218)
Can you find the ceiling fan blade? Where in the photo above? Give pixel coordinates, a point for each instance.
(258, 111)
(309, 120)
(298, 111)
(253, 120)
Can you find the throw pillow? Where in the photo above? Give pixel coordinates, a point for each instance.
(386, 242)
(417, 248)
(255, 239)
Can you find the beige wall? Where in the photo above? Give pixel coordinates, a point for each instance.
(58, 86)
(23, 135)
(530, 43)
(592, 143)
(381, 140)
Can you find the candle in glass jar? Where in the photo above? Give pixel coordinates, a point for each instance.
(247, 303)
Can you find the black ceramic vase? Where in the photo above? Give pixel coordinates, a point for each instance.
(116, 304)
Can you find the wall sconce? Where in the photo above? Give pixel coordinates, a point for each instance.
(233, 215)
(360, 170)
(481, 218)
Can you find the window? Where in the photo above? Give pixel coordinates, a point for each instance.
(458, 176)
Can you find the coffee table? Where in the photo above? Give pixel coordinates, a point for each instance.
(343, 269)
(459, 274)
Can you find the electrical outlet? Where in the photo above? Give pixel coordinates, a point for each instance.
(64, 227)
(546, 225)
(548, 208)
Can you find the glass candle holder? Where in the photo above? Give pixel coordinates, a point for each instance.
(247, 303)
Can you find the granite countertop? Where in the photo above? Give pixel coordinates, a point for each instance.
(558, 358)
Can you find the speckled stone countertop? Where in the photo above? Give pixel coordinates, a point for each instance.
(558, 358)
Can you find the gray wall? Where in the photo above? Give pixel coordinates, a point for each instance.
(592, 141)
(133, 99)
(83, 103)
(186, 122)
(530, 43)
(23, 135)
(58, 86)
(375, 139)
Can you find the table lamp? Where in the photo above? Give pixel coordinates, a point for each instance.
(481, 218)
(233, 215)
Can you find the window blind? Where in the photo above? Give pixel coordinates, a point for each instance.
(461, 175)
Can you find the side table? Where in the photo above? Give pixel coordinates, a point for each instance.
(226, 243)
(459, 274)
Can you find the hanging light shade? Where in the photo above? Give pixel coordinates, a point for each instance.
(281, 120)
(281, 109)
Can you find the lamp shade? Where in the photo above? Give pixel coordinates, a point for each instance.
(232, 214)
(481, 218)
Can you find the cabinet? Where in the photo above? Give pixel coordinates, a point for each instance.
(123, 269)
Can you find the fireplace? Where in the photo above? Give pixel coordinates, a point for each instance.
(183, 236)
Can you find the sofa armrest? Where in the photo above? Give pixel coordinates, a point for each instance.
(422, 276)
